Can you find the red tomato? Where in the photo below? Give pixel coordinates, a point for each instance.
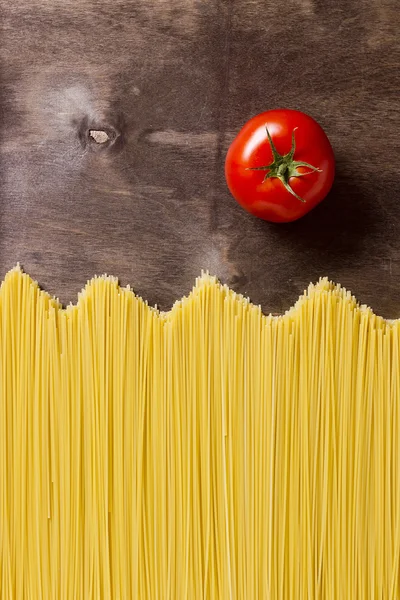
(280, 165)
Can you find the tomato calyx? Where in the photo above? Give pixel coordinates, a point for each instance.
(284, 166)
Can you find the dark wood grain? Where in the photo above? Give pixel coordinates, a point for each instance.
(171, 83)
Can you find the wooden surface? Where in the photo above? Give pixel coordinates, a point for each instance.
(171, 82)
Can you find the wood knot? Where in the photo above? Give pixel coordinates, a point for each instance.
(98, 136)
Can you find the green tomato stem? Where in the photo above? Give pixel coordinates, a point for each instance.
(283, 167)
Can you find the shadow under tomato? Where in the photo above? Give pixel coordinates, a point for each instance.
(338, 227)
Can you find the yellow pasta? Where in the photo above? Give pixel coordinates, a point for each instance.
(206, 453)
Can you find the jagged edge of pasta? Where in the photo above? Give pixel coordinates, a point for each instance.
(323, 286)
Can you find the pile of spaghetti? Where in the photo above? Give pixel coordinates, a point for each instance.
(210, 452)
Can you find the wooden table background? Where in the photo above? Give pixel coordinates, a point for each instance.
(172, 81)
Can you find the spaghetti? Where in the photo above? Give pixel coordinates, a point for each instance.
(210, 452)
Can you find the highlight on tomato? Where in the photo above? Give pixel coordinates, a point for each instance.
(280, 165)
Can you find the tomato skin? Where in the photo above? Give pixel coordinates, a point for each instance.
(269, 199)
